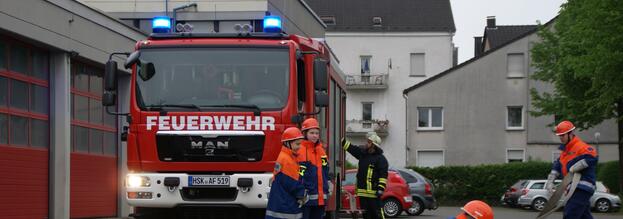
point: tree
(581, 54)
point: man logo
(209, 144)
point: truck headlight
(134, 181)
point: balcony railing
(362, 127)
(367, 81)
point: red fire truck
(207, 112)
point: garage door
(94, 180)
(24, 130)
(430, 158)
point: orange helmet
(476, 209)
(564, 127)
(291, 134)
(310, 123)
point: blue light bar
(161, 24)
(272, 24)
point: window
(328, 20)
(407, 176)
(24, 95)
(350, 179)
(515, 155)
(93, 131)
(418, 67)
(430, 118)
(515, 65)
(537, 186)
(366, 111)
(430, 158)
(514, 119)
(365, 64)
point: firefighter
(371, 174)
(475, 210)
(579, 158)
(287, 193)
(314, 158)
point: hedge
(456, 185)
(609, 174)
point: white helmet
(374, 138)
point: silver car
(420, 188)
(535, 196)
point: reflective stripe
(366, 195)
(587, 183)
(313, 197)
(382, 214)
(369, 178)
(283, 215)
(382, 180)
(346, 145)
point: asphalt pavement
(503, 213)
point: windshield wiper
(255, 108)
(160, 106)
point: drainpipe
(406, 97)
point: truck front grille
(209, 148)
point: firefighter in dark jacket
(371, 174)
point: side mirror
(108, 98)
(320, 74)
(321, 99)
(110, 76)
(132, 59)
(147, 71)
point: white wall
(389, 103)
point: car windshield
(215, 77)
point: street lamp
(597, 134)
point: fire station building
(60, 152)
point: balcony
(362, 127)
(367, 82)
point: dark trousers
(313, 212)
(579, 206)
(372, 208)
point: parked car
(512, 194)
(421, 190)
(535, 196)
(395, 199)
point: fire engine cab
(207, 111)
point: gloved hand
(345, 143)
(379, 193)
(302, 200)
(549, 185)
(578, 166)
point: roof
(493, 49)
(501, 34)
(396, 15)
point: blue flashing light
(161, 24)
(272, 24)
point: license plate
(208, 180)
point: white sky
(470, 17)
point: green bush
(456, 185)
(608, 173)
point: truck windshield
(215, 77)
